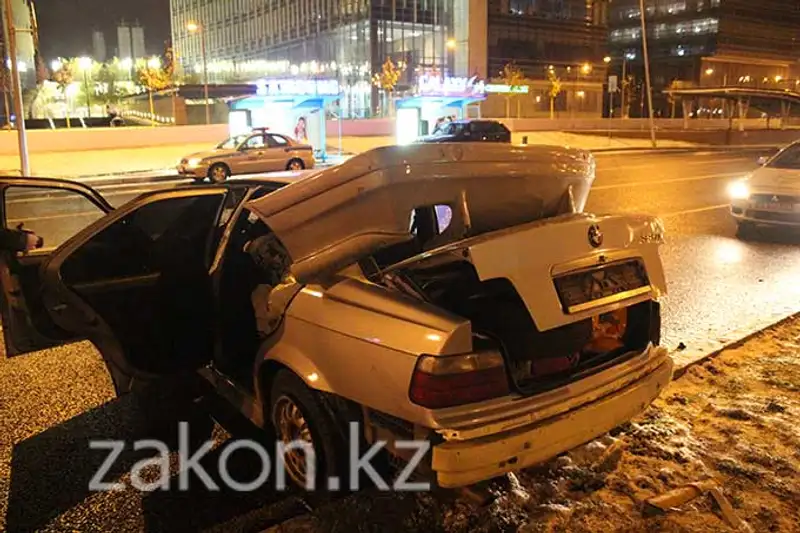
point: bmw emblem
(595, 235)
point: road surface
(54, 402)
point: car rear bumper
(461, 463)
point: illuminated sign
(295, 87)
(428, 85)
(495, 88)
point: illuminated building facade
(349, 39)
(708, 42)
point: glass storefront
(348, 39)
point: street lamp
(55, 65)
(194, 27)
(709, 71)
(607, 60)
(451, 44)
(85, 64)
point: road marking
(664, 181)
(609, 167)
(696, 210)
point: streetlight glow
(709, 71)
(85, 63)
(55, 64)
(778, 78)
(451, 44)
(154, 62)
(192, 26)
(607, 59)
(586, 68)
(126, 63)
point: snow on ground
(731, 421)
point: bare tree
(555, 89)
(512, 76)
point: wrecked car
(454, 294)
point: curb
(686, 359)
(681, 149)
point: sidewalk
(159, 158)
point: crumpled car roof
(337, 216)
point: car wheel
(745, 230)
(297, 414)
(295, 164)
(218, 172)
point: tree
(388, 77)
(555, 89)
(63, 77)
(154, 79)
(512, 76)
(628, 83)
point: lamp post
(85, 63)
(194, 27)
(22, 137)
(647, 74)
(607, 61)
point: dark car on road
(469, 131)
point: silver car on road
(248, 153)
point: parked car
(248, 153)
(770, 195)
(469, 131)
(504, 328)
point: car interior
(253, 257)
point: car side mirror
(762, 160)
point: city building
(99, 51)
(709, 43)
(352, 39)
(124, 45)
(26, 52)
(138, 48)
(130, 42)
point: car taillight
(446, 381)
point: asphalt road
(54, 402)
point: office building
(351, 39)
(99, 51)
(138, 48)
(707, 43)
(124, 46)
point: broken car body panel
(337, 216)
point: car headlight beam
(739, 190)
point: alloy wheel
(292, 426)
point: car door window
(276, 141)
(52, 213)
(255, 142)
(146, 277)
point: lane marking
(696, 210)
(664, 181)
(608, 167)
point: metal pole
(17, 87)
(647, 74)
(86, 88)
(205, 72)
(624, 86)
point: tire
(199, 180)
(295, 164)
(218, 172)
(745, 230)
(319, 423)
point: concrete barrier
(82, 139)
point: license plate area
(594, 287)
(778, 206)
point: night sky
(65, 26)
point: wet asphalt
(54, 402)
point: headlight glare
(739, 190)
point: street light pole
(17, 88)
(647, 74)
(88, 97)
(624, 86)
(196, 27)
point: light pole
(22, 138)
(85, 63)
(194, 27)
(647, 74)
(607, 61)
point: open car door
(56, 210)
(137, 284)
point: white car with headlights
(770, 196)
